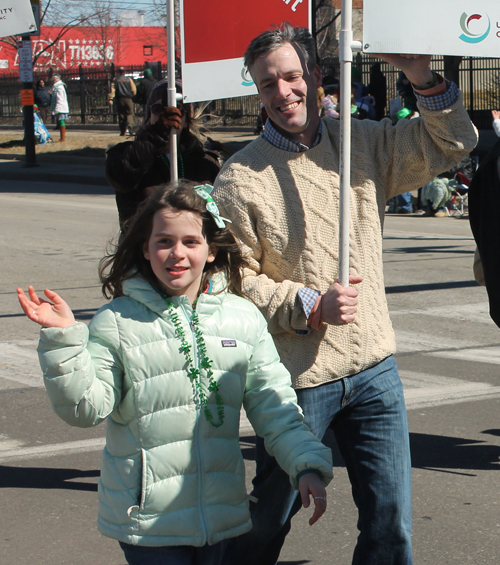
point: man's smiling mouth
(290, 106)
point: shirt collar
(274, 137)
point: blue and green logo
(247, 78)
(467, 34)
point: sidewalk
(58, 167)
(54, 168)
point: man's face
(288, 91)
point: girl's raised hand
(311, 484)
(55, 314)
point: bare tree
(54, 13)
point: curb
(26, 175)
(56, 158)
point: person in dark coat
(378, 89)
(144, 89)
(133, 167)
(42, 100)
(484, 218)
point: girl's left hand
(55, 314)
(311, 484)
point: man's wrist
(314, 320)
(431, 83)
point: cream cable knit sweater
(285, 208)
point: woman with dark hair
(135, 166)
(42, 100)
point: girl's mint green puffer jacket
(168, 476)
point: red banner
(222, 29)
(90, 47)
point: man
(484, 216)
(281, 193)
(144, 89)
(123, 89)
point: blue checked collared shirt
(308, 296)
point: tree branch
(318, 31)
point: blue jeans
(405, 201)
(368, 416)
(174, 555)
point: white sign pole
(171, 85)
(345, 55)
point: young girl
(169, 362)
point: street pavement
(53, 234)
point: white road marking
(478, 313)
(80, 203)
(423, 390)
(52, 449)
(477, 355)
(19, 363)
(426, 236)
(445, 346)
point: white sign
(16, 17)
(432, 27)
(213, 42)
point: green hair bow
(204, 191)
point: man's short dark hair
(275, 38)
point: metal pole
(28, 117)
(171, 84)
(345, 139)
(346, 50)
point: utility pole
(27, 98)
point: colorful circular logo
(465, 23)
(247, 78)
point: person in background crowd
(356, 77)
(496, 121)
(378, 89)
(133, 167)
(123, 89)
(403, 203)
(282, 194)
(42, 100)
(144, 89)
(59, 106)
(405, 90)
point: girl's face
(178, 251)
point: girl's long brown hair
(127, 258)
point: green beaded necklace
(164, 158)
(193, 373)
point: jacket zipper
(198, 434)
